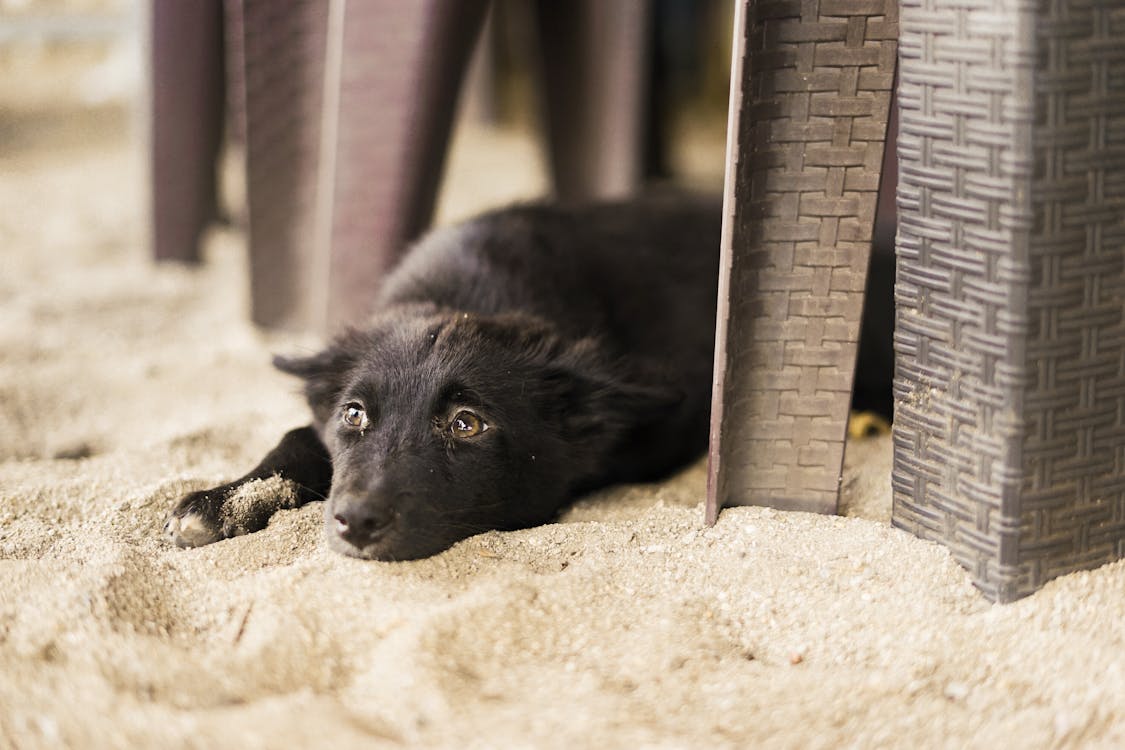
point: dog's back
(640, 276)
(641, 272)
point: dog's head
(442, 426)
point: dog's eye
(465, 424)
(354, 415)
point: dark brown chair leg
(348, 111)
(277, 53)
(186, 45)
(811, 89)
(389, 111)
(595, 81)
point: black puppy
(513, 362)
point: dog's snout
(360, 524)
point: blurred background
(70, 73)
(77, 74)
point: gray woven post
(809, 102)
(1010, 388)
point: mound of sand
(627, 624)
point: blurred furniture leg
(388, 113)
(278, 80)
(1010, 388)
(595, 81)
(186, 47)
(810, 93)
(348, 107)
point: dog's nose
(361, 524)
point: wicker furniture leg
(1010, 386)
(595, 81)
(186, 121)
(277, 81)
(395, 69)
(348, 107)
(810, 90)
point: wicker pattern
(186, 121)
(400, 68)
(277, 64)
(815, 89)
(595, 76)
(1010, 384)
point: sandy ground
(627, 624)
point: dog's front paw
(195, 520)
(241, 507)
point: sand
(627, 624)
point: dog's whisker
(317, 495)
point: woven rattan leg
(388, 114)
(1010, 387)
(595, 76)
(809, 101)
(186, 45)
(278, 78)
(347, 108)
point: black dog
(513, 362)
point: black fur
(581, 336)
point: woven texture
(346, 109)
(186, 111)
(277, 64)
(595, 74)
(401, 65)
(815, 91)
(1010, 383)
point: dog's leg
(246, 504)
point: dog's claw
(190, 531)
(190, 523)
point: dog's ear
(325, 373)
(594, 396)
(589, 394)
(328, 364)
(310, 367)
